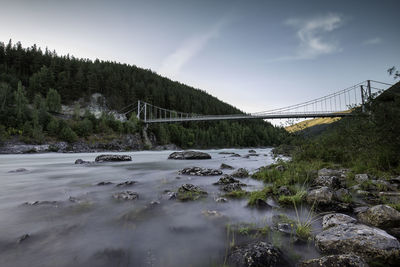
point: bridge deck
(241, 117)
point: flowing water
(82, 225)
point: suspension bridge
(337, 104)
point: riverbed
(78, 223)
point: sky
(256, 55)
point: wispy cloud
(313, 36)
(373, 41)
(173, 63)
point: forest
(35, 83)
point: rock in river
(189, 155)
(227, 179)
(81, 161)
(199, 171)
(322, 195)
(126, 195)
(226, 166)
(256, 254)
(241, 173)
(368, 242)
(345, 260)
(190, 192)
(335, 219)
(105, 158)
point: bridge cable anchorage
(337, 104)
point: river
(82, 225)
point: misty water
(83, 225)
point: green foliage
(84, 128)
(292, 200)
(255, 195)
(68, 135)
(237, 194)
(53, 100)
(21, 102)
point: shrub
(68, 135)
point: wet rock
(383, 185)
(227, 179)
(126, 183)
(382, 216)
(169, 195)
(23, 238)
(280, 168)
(126, 195)
(189, 155)
(255, 254)
(199, 171)
(104, 183)
(231, 187)
(363, 193)
(112, 158)
(226, 153)
(42, 203)
(322, 195)
(345, 260)
(154, 203)
(240, 173)
(360, 178)
(190, 192)
(235, 155)
(368, 242)
(81, 161)
(329, 181)
(360, 209)
(341, 193)
(18, 170)
(286, 228)
(284, 190)
(212, 213)
(226, 166)
(252, 151)
(246, 156)
(261, 204)
(221, 200)
(335, 219)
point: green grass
(237, 194)
(295, 199)
(262, 194)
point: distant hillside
(310, 123)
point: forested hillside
(32, 82)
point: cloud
(373, 41)
(173, 63)
(312, 35)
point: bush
(53, 127)
(68, 135)
(53, 100)
(84, 128)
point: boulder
(360, 178)
(256, 254)
(382, 216)
(226, 166)
(335, 219)
(345, 260)
(226, 153)
(322, 195)
(199, 171)
(284, 190)
(227, 179)
(231, 187)
(189, 155)
(252, 151)
(341, 193)
(280, 168)
(221, 200)
(371, 243)
(126, 195)
(169, 195)
(235, 155)
(111, 158)
(240, 173)
(23, 238)
(18, 170)
(81, 161)
(190, 192)
(329, 181)
(104, 183)
(261, 204)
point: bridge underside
(246, 117)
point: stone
(226, 153)
(221, 200)
(112, 158)
(322, 195)
(81, 161)
(155, 203)
(104, 183)
(18, 170)
(212, 213)
(371, 243)
(341, 193)
(23, 238)
(190, 192)
(284, 190)
(329, 181)
(189, 155)
(226, 166)
(231, 187)
(335, 219)
(227, 179)
(256, 254)
(252, 151)
(382, 216)
(126, 183)
(280, 168)
(261, 204)
(286, 228)
(360, 178)
(126, 195)
(240, 173)
(329, 172)
(199, 171)
(42, 203)
(235, 155)
(169, 195)
(344, 260)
